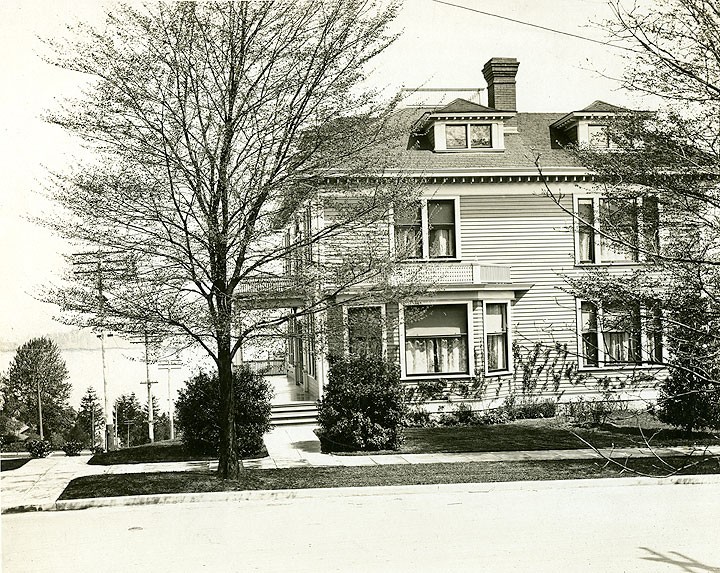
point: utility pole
(96, 263)
(40, 421)
(128, 423)
(170, 365)
(151, 421)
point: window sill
(622, 366)
(611, 264)
(432, 260)
(497, 373)
(472, 150)
(435, 376)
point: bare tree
(662, 180)
(213, 127)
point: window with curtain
(427, 231)
(496, 337)
(621, 335)
(365, 328)
(408, 232)
(441, 228)
(614, 230)
(614, 335)
(436, 339)
(619, 222)
(586, 230)
(589, 327)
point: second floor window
(427, 231)
(615, 230)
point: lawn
(166, 451)
(111, 485)
(12, 463)
(545, 435)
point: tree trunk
(229, 465)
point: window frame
(346, 325)
(600, 242)
(651, 345)
(468, 137)
(425, 231)
(508, 338)
(470, 341)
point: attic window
(457, 136)
(598, 136)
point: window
(478, 135)
(598, 136)
(365, 330)
(618, 335)
(615, 230)
(496, 337)
(436, 339)
(428, 230)
(408, 232)
(441, 229)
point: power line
(570, 34)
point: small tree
(130, 420)
(198, 405)
(36, 390)
(89, 421)
(363, 405)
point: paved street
(602, 527)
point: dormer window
(457, 136)
(462, 126)
(598, 136)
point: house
(506, 217)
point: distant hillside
(70, 340)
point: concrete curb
(290, 494)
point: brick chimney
(500, 77)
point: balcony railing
(453, 273)
(449, 273)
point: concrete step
(294, 413)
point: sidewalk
(38, 484)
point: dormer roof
(458, 109)
(596, 110)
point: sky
(440, 46)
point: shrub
(419, 418)
(461, 415)
(97, 450)
(198, 412)
(590, 412)
(688, 403)
(72, 448)
(363, 406)
(528, 409)
(38, 448)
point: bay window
(436, 339)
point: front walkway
(38, 484)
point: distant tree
(130, 421)
(90, 421)
(35, 388)
(162, 427)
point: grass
(12, 463)
(166, 451)
(111, 485)
(543, 435)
